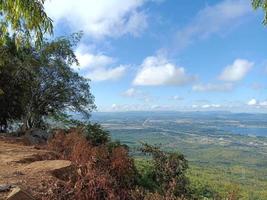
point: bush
(167, 172)
(96, 134)
(104, 169)
(100, 172)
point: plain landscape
(224, 149)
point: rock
(19, 194)
(46, 166)
(36, 136)
(5, 188)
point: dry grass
(100, 172)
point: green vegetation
(261, 4)
(96, 134)
(26, 18)
(41, 83)
(249, 184)
(166, 172)
(220, 162)
(212, 183)
(103, 170)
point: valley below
(225, 150)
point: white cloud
(89, 60)
(130, 107)
(98, 67)
(263, 103)
(213, 87)
(100, 18)
(177, 98)
(138, 94)
(211, 106)
(238, 106)
(155, 71)
(259, 104)
(208, 106)
(132, 92)
(195, 106)
(237, 71)
(231, 73)
(104, 74)
(214, 19)
(252, 102)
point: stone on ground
(19, 194)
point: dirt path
(27, 167)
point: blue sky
(183, 55)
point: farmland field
(224, 149)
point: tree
(26, 18)
(12, 82)
(96, 134)
(50, 87)
(261, 4)
(56, 88)
(168, 171)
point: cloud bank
(214, 19)
(236, 71)
(157, 70)
(98, 67)
(102, 18)
(210, 87)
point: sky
(171, 55)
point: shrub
(101, 172)
(168, 172)
(104, 170)
(96, 134)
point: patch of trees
(167, 172)
(39, 82)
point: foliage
(44, 82)
(105, 170)
(13, 84)
(56, 87)
(26, 18)
(201, 189)
(221, 185)
(145, 168)
(215, 164)
(261, 4)
(138, 194)
(168, 171)
(96, 134)
(99, 173)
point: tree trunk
(31, 121)
(3, 125)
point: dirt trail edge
(27, 167)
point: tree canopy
(261, 4)
(39, 82)
(26, 19)
(168, 171)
